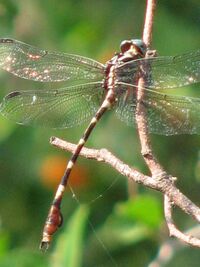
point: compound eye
(125, 46)
(140, 45)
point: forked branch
(165, 186)
(172, 195)
(159, 180)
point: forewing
(167, 72)
(165, 114)
(61, 108)
(32, 63)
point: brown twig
(153, 164)
(156, 169)
(166, 186)
(146, 149)
(148, 24)
(170, 247)
(173, 231)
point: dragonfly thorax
(116, 72)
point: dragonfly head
(133, 47)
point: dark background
(127, 220)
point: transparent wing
(166, 72)
(32, 63)
(60, 108)
(166, 115)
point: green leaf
(70, 244)
(145, 209)
(131, 222)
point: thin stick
(173, 231)
(169, 248)
(148, 25)
(146, 149)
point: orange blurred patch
(52, 169)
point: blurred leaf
(23, 258)
(8, 11)
(131, 222)
(4, 243)
(69, 247)
(116, 235)
(145, 209)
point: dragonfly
(93, 88)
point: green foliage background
(127, 220)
